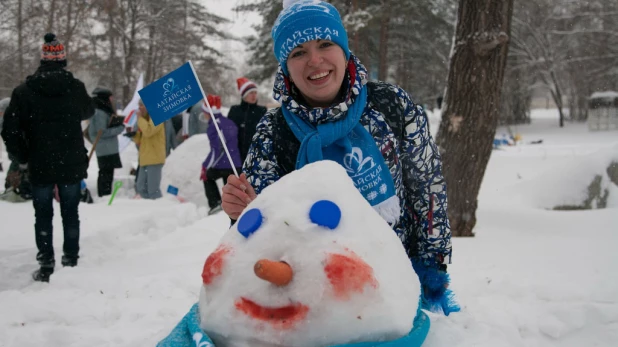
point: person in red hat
(217, 164)
(246, 115)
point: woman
(109, 126)
(330, 111)
(151, 142)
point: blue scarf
(189, 334)
(347, 142)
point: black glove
(130, 134)
(116, 121)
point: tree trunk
(130, 53)
(472, 102)
(112, 44)
(556, 94)
(383, 51)
(50, 19)
(150, 72)
(355, 35)
(67, 41)
(20, 40)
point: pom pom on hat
(53, 50)
(49, 37)
(245, 86)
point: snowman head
(309, 263)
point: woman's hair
(146, 115)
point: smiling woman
(317, 69)
(331, 111)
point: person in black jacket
(42, 129)
(246, 115)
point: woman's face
(317, 68)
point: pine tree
(262, 62)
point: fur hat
(102, 92)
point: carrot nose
(278, 273)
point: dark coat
(42, 125)
(246, 116)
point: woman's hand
(237, 194)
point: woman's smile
(317, 68)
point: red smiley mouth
(284, 317)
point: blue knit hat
(303, 21)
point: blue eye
(250, 222)
(325, 213)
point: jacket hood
(52, 80)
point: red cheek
(214, 264)
(348, 274)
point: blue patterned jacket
(401, 132)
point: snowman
(309, 263)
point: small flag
(172, 93)
(172, 190)
(130, 113)
(131, 119)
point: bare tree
(472, 99)
(385, 19)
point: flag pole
(214, 121)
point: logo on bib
(365, 174)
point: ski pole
(94, 145)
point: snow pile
(351, 282)
(567, 184)
(183, 166)
(531, 276)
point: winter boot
(69, 261)
(86, 196)
(214, 210)
(42, 274)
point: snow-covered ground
(530, 277)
